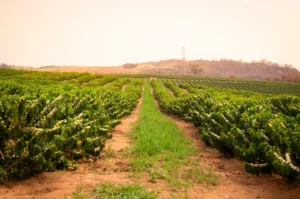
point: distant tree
(291, 76)
(287, 66)
(196, 69)
(263, 61)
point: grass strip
(161, 150)
(112, 191)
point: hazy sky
(113, 32)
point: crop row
(264, 133)
(45, 128)
(255, 86)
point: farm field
(70, 123)
(261, 129)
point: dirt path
(119, 141)
(124, 87)
(105, 85)
(111, 166)
(185, 90)
(171, 92)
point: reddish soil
(185, 90)
(119, 141)
(124, 87)
(105, 85)
(171, 92)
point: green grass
(161, 150)
(111, 191)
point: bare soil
(119, 141)
(185, 90)
(124, 87)
(105, 85)
(171, 92)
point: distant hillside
(222, 68)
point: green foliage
(162, 95)
(112, 191)
(47, 127)
(86, 78)
(238, 84)
(178, 92)
(102, 81)
(117, 85)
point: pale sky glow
(113, 32)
